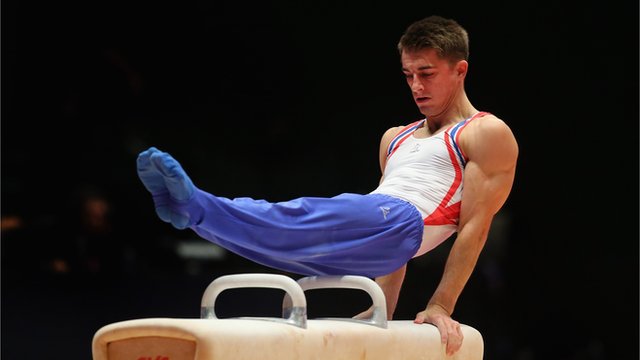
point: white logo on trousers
(385, 211)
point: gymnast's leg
(347, 234)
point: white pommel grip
(379, 315)
(297, 314)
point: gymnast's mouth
(422, 99)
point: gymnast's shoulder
(391, 132)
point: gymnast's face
(435, 82)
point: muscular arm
(492, 152)
(489, 173)
(391, 283)
(384, 144)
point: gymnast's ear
(461, 68)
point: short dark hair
(446, 36)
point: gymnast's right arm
(390, 283)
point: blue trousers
(349, 234)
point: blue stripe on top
(454, 131)
(456, 148)
(413, 128)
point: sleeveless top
(428, 173)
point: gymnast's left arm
(492, 152)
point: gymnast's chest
(421, 153)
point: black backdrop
(277, 100)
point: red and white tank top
(428, 173)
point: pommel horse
(292, 337)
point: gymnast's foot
(162, 175)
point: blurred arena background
(277, 100)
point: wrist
(435, 304)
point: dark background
(277, 100)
